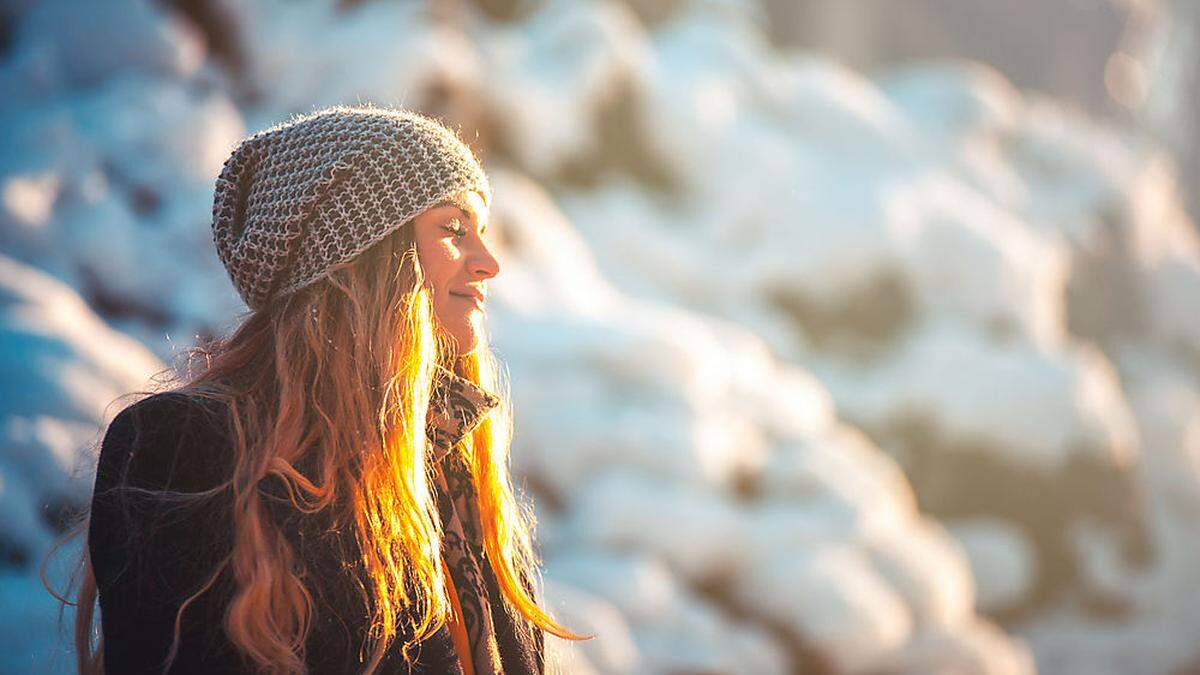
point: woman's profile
(326, 489)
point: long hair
(339, 373)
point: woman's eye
(456, 228)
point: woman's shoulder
(170, 440)
(152, 541)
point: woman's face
(453, 249)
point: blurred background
(845, 336)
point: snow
(61, 369)
(742, 289)
(612, 651)
(1002, 561)
(549, 77)
(1043, 409)
(979, 647)
(699, 536)
(86, 44)
(674, 630)
(832, 597)
(317, 55)
(929, 571)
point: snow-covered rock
(551, 76)
(1037, 408)
(695, 531)
(767, 319)
(1002, 561)
(63, 373)
(830, 597)
(611, 651)
(81, 45)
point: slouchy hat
(295, 201)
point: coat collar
(456, 406)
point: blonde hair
(343, 368)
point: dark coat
(148, 556)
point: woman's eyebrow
(462, 205)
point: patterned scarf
(501, 640)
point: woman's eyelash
(456, 228)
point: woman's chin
(464, 342)
(462, 333)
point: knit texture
(295, 201)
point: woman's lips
(473, 299)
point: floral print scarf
(501, 640)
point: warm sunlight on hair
(340, 375)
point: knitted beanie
(296, 200)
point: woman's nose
(484, 263)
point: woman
(328, 492)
